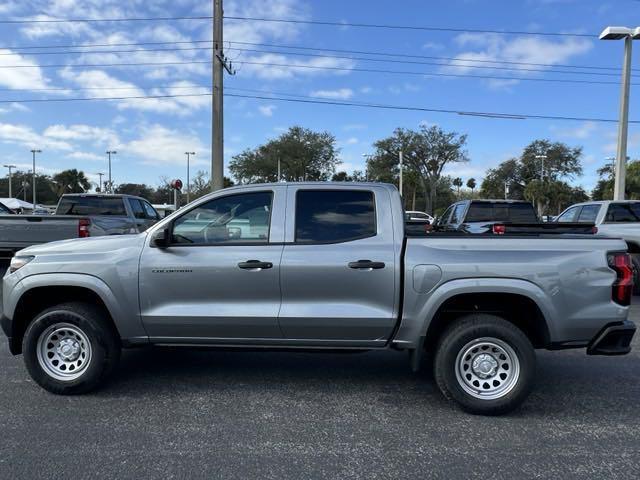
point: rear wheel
(485, 364)
(70, 348)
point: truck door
(219, 280)
(339, 270)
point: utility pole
(188, 154)
(100, 175)
(109, 153)
(10, 178)
(217, 121)
(34, 151)
(401, 168)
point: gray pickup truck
(77, 216)
(319, 266)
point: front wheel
(486, 364)
(70, 348)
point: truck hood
(83, 246)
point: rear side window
(456, 217)
(91, 206)
(568, 216)
(589, 213)
(501, 212)
(334, 216)
(623, 212)
(151, 212)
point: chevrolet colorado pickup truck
(321, 266)
(77, 216)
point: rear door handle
(366, 265)
(255, 265)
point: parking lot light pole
(109, 153)
(188, 154)
(10, 179)
(542, 158)
(100, 175)
(628, 35)
(33, 186)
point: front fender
(420, 308)
(126, 321)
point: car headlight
(18, 262)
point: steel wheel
(64, 351)
(487, 368)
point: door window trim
(354, 239)
(227, 244)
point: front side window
(151, 212)
(568, 216)
(334, 216)
(137, 208)
(445, 216)
(243, 218)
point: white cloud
(27, 73)
(92, 157)
(339, 94)
(582, 131)
(482, 50)
(272, 66)
(27, 137)
(267, 110)
(79, 132)
(259, 31)
(351, 141)
(159, 145)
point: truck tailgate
(21, 231)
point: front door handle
(366, 265)
(255, 265)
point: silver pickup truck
(77, 216)
(321, 266)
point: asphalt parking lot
(211, 414)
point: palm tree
(70, 181)
(471, 183)
(457, 182)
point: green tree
(341, 176)
(137, 189)
(303, 155)
(471, 183)
(457, 182)
(21, 188)
(604, 188)
(70, 181)
(425, 151)
(508, 173)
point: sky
(151, 135)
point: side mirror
(161, 238)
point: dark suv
(479, 216)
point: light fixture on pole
(628, 35)
(10, 178)
(33, 186)
(400, 183)
(188, 154)
(100, 175)
(109, 153)
(542, 158)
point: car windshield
(501, 212)
(91, 206)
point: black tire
(635, 259)
(461, 337)
(85, 319)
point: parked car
(77, 216)
(4, 210)
(619, 218)
(479, 216)
(320, 266)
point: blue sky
(152, 135)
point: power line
(428, 74)
(92, 45)
(96, 20)
(89, 52)
(89, 65)
(495, 115)
(416, 62)
(428, 57)
(410, 27)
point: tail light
(622, 287)
(594, 229)
(83, 228)
(499, 229)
